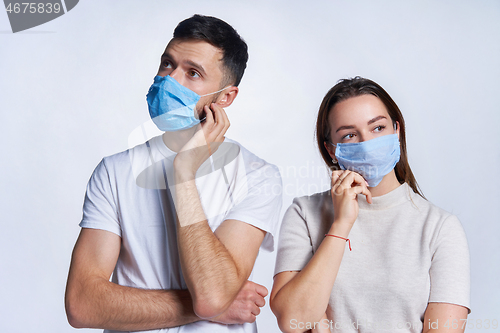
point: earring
(334, 161)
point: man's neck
(176, 140)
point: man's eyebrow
(188, 62)
(196, 66)
(376, 119)
(369, 122)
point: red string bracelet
(346, 239)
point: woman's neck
(389, 183)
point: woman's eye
(379, 128)
(348, 136)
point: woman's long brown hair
(354, 87)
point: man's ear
(227, 96)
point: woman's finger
(335, 176)
(335, 179)
(359, 179)
(362, 190)
(363, 183)
(354, 179)
(345, 181)
(343, 176)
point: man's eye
(193, 74)
(166, 64)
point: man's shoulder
(254, 164)
(123, 160)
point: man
(180, 219)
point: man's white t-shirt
(127, 195)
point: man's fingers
(261, 290)
(255, 310)
(251, 319)
(221, 122)
(209, 121)
(260, 301)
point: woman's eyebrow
(344, 127)
(376, 119)
(369, 122)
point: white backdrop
(72, 90)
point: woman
(408, 270)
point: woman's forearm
(305, 297)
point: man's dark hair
(221, 35)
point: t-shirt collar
(399, 195)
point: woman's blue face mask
(373, 159)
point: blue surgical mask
(171, 105)
(373, 159)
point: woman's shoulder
(312, 208)
(312, 201)
(432, 214)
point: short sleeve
(99, 207)
(260, 206)
(450, 265)
(295, 247)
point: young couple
(177, 222)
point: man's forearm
(103, 304)
(209, 270)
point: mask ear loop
(215, 92)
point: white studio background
(73, 89)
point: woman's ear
(331, 151)
(227, 96)
(396, 128)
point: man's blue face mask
(171, 105)
(373, 159)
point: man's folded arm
(215, 265)
(92, 301)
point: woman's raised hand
(346, 185)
